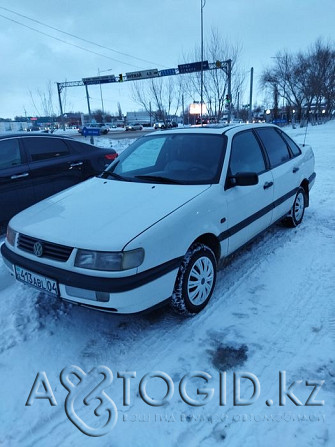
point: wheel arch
(305, 185)
(212, 242)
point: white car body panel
(118, 211)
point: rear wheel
(298, 209)
(195, 280)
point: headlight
(11, 235)
(109, 261)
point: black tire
(199, 266)
(297, 211)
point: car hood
(102, 214)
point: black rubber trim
(115, 311)
(249, 220)
(312, 177)
(111, 285)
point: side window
(246, 154)
(45, 148)
(81, 147)
(9, 153)
(292, 145)
(275, 146)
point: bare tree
(161, 95)
(119, 111)
(43, 101)
(305, 79)
(216, 81)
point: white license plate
(38, 281)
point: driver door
(249, 207)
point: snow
(273, 310)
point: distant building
(141, 117)
(13, 126)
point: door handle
(295, 169)
(14, 177)
(267, 185)
(74, 165)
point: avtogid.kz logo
(85, 392)
(87, 400)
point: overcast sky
(160, 34)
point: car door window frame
(261, 148)
(289, 142)
(46, 140)
(272, 166)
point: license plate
(38, 281)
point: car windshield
(171, 159)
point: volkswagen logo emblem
(38, 249)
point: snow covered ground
(272, 311)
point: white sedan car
(134, 126)
(156, 224)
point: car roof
(33, 134)
(218, 129)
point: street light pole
(250, 98)
(102, 101)
(203, 3)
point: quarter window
(275, 146)
(9, 153)
(246, 154)
(294, 147)
(45, 148)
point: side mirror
(244, 179)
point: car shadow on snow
(95, 327)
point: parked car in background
(33, 128)
(157, 223)
(134, 126)
(159, 125)
(101, 127)
(35, 166)
(203, 121)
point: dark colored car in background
(36, 166)
(33, 128)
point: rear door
(285, 169)
(53, 165)
(16, 187)
(249, 207)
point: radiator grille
(50, 250)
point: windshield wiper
(159, 179)
(107, 174)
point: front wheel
(298, 209)
(195, 280)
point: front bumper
(128, 294)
